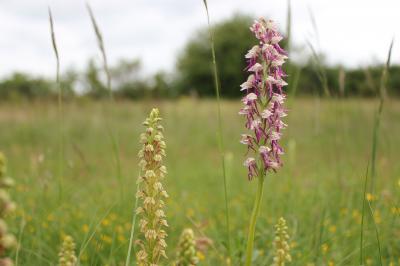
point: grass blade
(362, 217)
(220, 137)
(288, 26)
(114, 139)
(314, 23)
(102, 49)
(88, 238)
(342, 81)
(320, 69)
(128, 256)
(294, 82)
(375, 137)
(54, 44)
(60, 106)
(292, 69)
(318, 242)
(21, 231)
(371, 212)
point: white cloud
(351, 32)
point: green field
(319, 190)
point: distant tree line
(193, 74)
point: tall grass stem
(220, 135)
(114, 139)
(362, 218)
(128, 256)
(293, 70)
(371, 212)
(87, 240)
(60, 107)
(319, 67)
(382, 95)
(288, 26)
(100, 43)
(21, 232)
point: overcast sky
(351, 32)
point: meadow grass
(321, 206)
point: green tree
(94, 86)
(69, 81)
(23, 86)
(127, 79)
(161, 85)
(232, 40)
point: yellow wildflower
(332, 229)
(325, 248)
(85, 228)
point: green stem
(253, 220)
(128, 256)
(60, 108)
(219, 133)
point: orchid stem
(253, 220)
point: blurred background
(161, 48)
